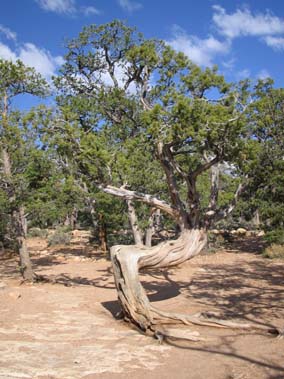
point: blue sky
(245, 39)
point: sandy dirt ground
(66, 328)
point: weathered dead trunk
(128, 260)
(137, 234)
(20, 224)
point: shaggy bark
(128, 260)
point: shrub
(59, 238)
(37, 232)
(215, 242)
(274, 251)
(275, 236)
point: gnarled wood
(136, 307)
(128, 260)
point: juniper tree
(142, 111)
(16, 80)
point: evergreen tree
(15, 146)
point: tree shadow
(252, 244)
(224, 347)
(9, 268)
(253, 290)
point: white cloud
(9, 34)
(32, 56)
(40, 59)
(229, 64)
(277, 43)
(7, 53)
(243, 23)
(200, 51)
(243, 74)
(129, 5)
(58, 6)
(89, 11)
(263, 74)
(67, 7)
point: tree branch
(138, 196)
(203, 167)
(223, 213)
(167, 162)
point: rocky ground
(66, 328)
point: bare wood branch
(110, 67)
(138, 196)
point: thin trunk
(137, 234)
(153, 225)
(20, 224)
(214, 193)
(91, 207)
(256, 218)
(215, 175)
(73, 218)
(102, 233)
(166, 160)
(6, 163)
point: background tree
(15, 146)
(268, 129)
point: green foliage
(275, 236)
(266, 170)
(17, 79)
(133, 113)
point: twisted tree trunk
(128, 260)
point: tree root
(209, 319)
(163, 334)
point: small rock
(261, 233)
(241, 231)
(215, 231)
(77, 259)
(60, 258)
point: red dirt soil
(66, 328)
